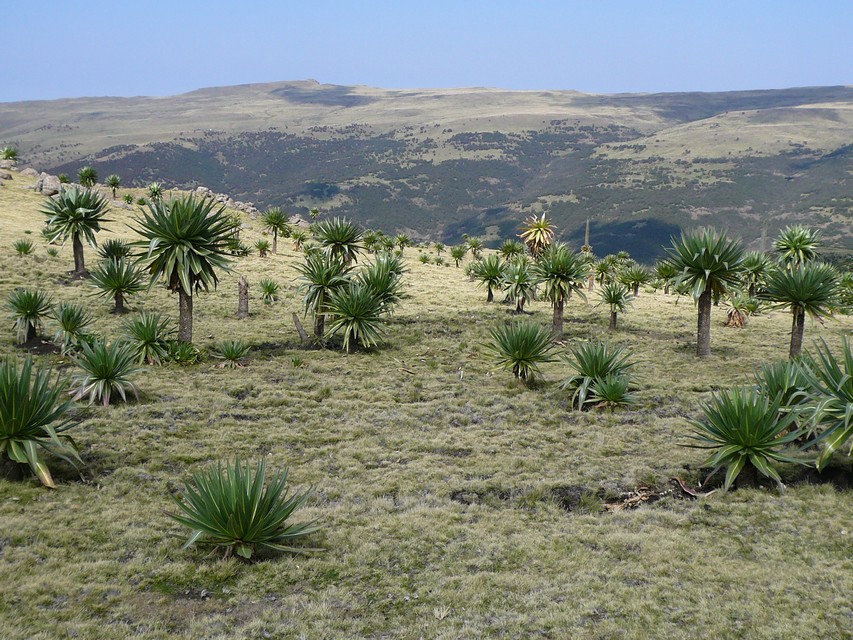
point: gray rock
(48, 185)
(7, 164)
(5, 175)
(30, 172)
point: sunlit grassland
(456, 502)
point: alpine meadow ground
(455, 501)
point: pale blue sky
(55, 49)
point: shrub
(229, 507)
(149, 335)
(107, 368)
(231, 352)
(24, 247)
(831, 385)
(263, 247)
(183, 353)
(613, 390)
(73, 320)
(424, 258)
(384, 278)
(32, 417)
(87, 176)
(114, 249)
(520, 347)
(128, 198)
(117, 279)
(8, 153)
(594, 361)
(29, 308)
(52, 252)
(339, 238)
(356, 311)
(155, 192)
(64, 178)
(269, 290)
(742, 426)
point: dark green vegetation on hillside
(442, 163)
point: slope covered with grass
(456, 502)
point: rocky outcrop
(7, 164)
(30, 172)
(224, 198)
(48, 185)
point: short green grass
(456, 502)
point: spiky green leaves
(741, 426)
(797, 245)
(185, 241)
(33, 418)
(276, 222)
(537, 234)
(228, 506)
(106, 371)
(520, 347)
(149, 335)
(831, 383)
(489, 272)
(87, 176)
(560, 272)
(29, 308)
(231, 353)
(593, 363)
(269, 290)
(73, 321)
(356, 311)
(706, 259)
(76, 213)
(117, 279)
(339, 238)
(813, 288)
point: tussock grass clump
(149, 334)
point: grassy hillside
(455, 502)
(438, 163)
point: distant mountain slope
(443, 162)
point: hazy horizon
(100, 49)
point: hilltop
(437, 163)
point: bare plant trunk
(519, 305)
(613, 320)
(797, 329)
(666, 289)
(119, 298)
(79, 264)
(242, 298)
(636, 289)
(590, 283)
(300, 329)
(703, 330)
(557, 325)
(275, 241)
(31, 332)
(752, 290)
(320, 325)
(185, 319)
(491, 296)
